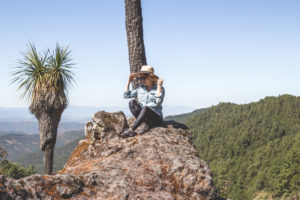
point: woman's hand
(160, 81)
(131, 77)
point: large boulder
(161, 164)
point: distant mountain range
(18, 145)
(31, 127)
(19, 120)
(80, 114)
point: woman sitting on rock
(150, 95)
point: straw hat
(146, 70)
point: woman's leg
(148, 116)
(135, 108)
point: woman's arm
(160, 92)
(130, 79)
(127, 93)
(159, 86)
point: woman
(150, 95)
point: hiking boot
(145, 127)
(128, 133)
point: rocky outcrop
(160, 164)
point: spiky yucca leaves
(45, 80)
(61, 77)
(30, 74)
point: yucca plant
(45, 79)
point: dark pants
(145, 114)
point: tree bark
(48, 159)
(48, 124)
(135, 39)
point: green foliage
(287, 173)
(251, 147)
(3, 153)
(39, 72)
(59, 62)
(30, 75)
(14, 170)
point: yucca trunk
(48, 124)
(48, 108)
(135, 40)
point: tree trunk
(48, 159)
(48, 124)
(135, 40)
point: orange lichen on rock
(52, 191)
(76, 154)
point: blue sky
(207, 51)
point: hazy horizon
(81, 113)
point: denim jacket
(146, 98)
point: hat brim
(141, 74)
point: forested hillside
(253, 147)
(17, 145)
(61, 156)
(184, 117)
